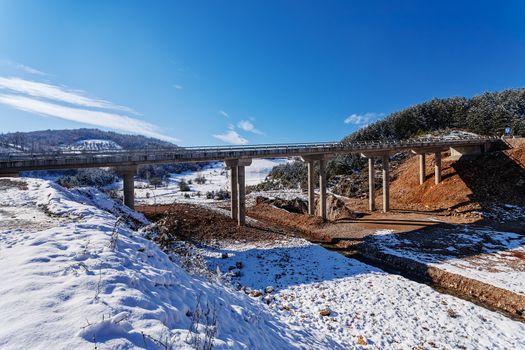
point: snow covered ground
(75, 276)
(217, 178)
(368, 307)
(74, 281)
(496, 258)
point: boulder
(296, 205)
(336, 209)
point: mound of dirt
(467, 184)
(195, 223)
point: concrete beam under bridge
(238, 188)
(311, 159)
(371, 185)
(437, 167)
(386, 184)
(385, 157)
(128, 175)
(465, 151)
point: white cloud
(224, 113)
(231, 137)
(178, 87)
(247, 125)
(22, 67)
(85, 116)
(363, 119)
(57, 93)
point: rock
(336, 209)
(255, 293)
(236, 272)
(238, 264)
(224, 256)
(296, 205)
(325, 312)
(269, 289)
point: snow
(497, 264)
(217, 178)
(64, 287)
(386, 311)
(75, 276)
(92, 145)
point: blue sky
(214, 72)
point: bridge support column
(371, 185)
(128, 174)
(234, 193)
(241, 214)
(422, 174)
(386, 184)
(322, 188)
(311, 187)
(437, 167)
(238, 188)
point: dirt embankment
(467, 184)
(196, 223)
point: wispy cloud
(247, 125)
(91, 117)
(178, 87)
(223, 113)
(57, 93)
(363, 120)
(22, 67)
(232, 137)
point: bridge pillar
(422, 174)
(437, 167)
(238, 188)
(311, 187)
(241, 214)
(322, 188)
(234, 193)
(371, 185)
(128, 174)
(386, 184)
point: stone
(269, 289)
(325, 312)
(255, 293)
(336, 209)
(224, 256)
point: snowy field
(496, 258)
(82, 284)
(368, 307)
(75, 276)
(217, 178)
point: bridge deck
(16, 162)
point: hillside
(467, 185)
(77, 139)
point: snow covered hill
(73, 278)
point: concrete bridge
(238, 157)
